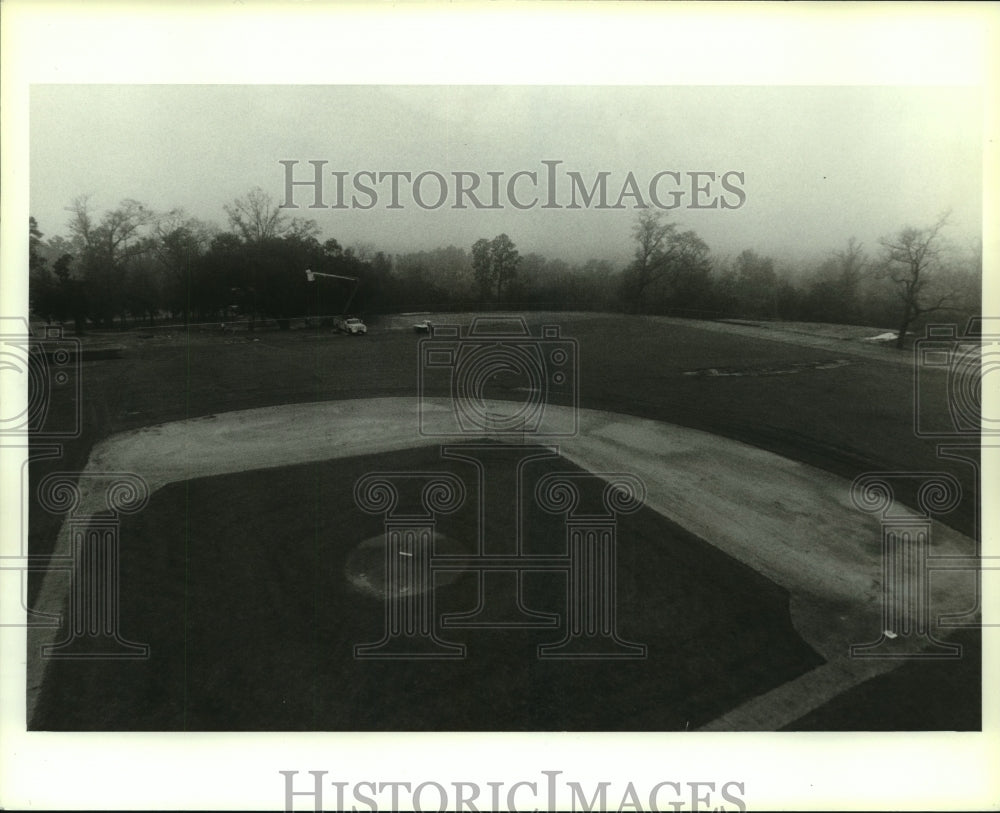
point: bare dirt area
(759, 466)
(816, 330)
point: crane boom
(311, 277)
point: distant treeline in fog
(131, 265)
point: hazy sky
(819, 164)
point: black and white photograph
(392, 413)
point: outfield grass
(849, 420)
(199, 591)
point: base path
(792, 523)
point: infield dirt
(841, 419)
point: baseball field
(263, 590)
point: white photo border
(424, 43)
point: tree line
(131, 265)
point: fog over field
(717, 272)
(790, 171)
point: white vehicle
(423, 327)
(354, 327)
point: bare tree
(81, 223)
(361, 250)
(912, 257)
(35, 260)
(653, 247)
(679, 260)
(506, 258)
(302, 228)
(833, 295)
(256, 217)
(852, 265)
(495, 263)
(482, 265)
(109, 249)
(117, 238)
(180, 241)
(756, 284)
